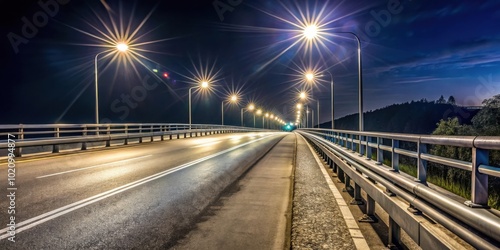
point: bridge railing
(350, 153)
(35, 135)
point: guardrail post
(108, 133)
(55, 147)
(140, 132)
(394, 233)
(152, 133)
(368, 149)
(479, 189)
(162, 129)
(380, 152)
(395, 156)
(126, 133)
(178, 135)
(369, 216)
(84, 133)
(347, 184)
(421, 163)
(353, 145)
(357, 195)
(361, 148)
(18, 152)
(340, 174)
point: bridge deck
(254, 212)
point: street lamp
(259, 112)
(204, 85)
(250, 107)
(303, 96)
(121, 47)
(311, 32)
(232, 99)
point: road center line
(96, 166)
(27, 224)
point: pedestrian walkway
(321, 218)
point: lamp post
(331, 100)
(310, 78)
(250, 107)
(204, 85)
(310, 32)
(233, 99)
(122, 47)
(259, 112)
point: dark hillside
(418, 117)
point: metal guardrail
(32, 135)
(436, 205)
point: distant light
(165, 75)
(251, 107)
(288, 127)
(259, 112)
(310, 32)
(299, 106)
(204, 84)
(155, 70)
(122, 47)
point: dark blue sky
(411, 50)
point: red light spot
(165, 75)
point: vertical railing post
(126, 135)
(152, 133)
(394, 233)
(140, 133)
(380, 152)
(162, 129)
(368, 149)
(395, 156)
(479, 189)
(421, 163)
(84, 133)
(55, 147)
(18, 152)
(353, 145)
(361, 147)
(108, 134)
(369, 215)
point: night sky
(410, 49)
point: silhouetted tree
(451, 100)
(487, 121)
(441, 100)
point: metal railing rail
(32, 135)
(474, 213)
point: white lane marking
(354, 231)
(206, 144)
(96, 166)
(27, 224)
